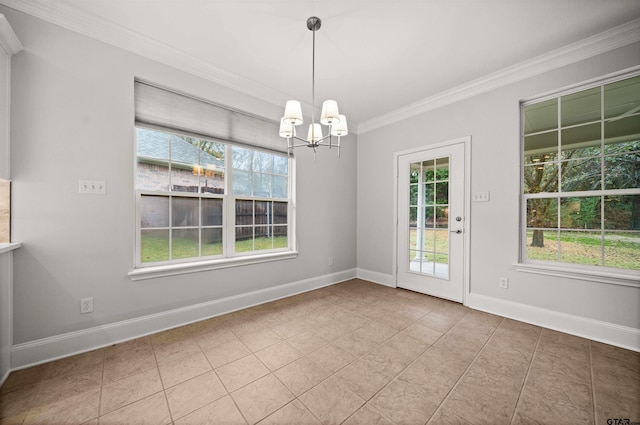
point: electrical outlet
(86, 305)
(331, 261)
(504, 282)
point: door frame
(466, 140)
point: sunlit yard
(621, 250)
(155, 247)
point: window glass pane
(154, 211)
(581, 248)
(263, 238)
(184, 211)
(280, 165)
(152, 149)
(244, 213)
(621, 250)
(184, 243)
(542, 213)
(581, 174)
(280, 186)
(542, 245)
(263, 162)
(263, 213)
(244, 239)
(622, 135)
(211, 242)
(262, 185)
(241, 158)
(583, 141)
(185, 159)
(541, 178)
(280, 239)
(622, 171)
(154, 246)
(541, 147)
(622, 213)
(581, 107)
(241, 183)
(211, 212)
(211, 169)
(540, 116)
(280, 211)
(580, 213)
(428, 168)
(621, 97)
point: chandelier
(330, 117)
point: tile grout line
(593, 389)
(526, 378)
(464, 372)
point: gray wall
(492, 120)
(72, 118)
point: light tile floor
(352, 353)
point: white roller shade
(171, 110)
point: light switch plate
(92, 187)
(481, 197)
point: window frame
(229, 258)
(596, 273)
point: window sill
(7, 247)
(199, 266)
(629, 278)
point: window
(581, 178)
(182, 182)
(207, 201)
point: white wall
(72, 118)
(492, 120)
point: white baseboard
(51, 348)
(597, 330)
(376, 277)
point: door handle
(458, 231)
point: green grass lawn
(622, 250)
(155, 247)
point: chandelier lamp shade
(330, 116)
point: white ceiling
(372, 56)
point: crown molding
(116, 35)
(126, 39)
(8, 39)
(606, 41)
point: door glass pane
(428, 211)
